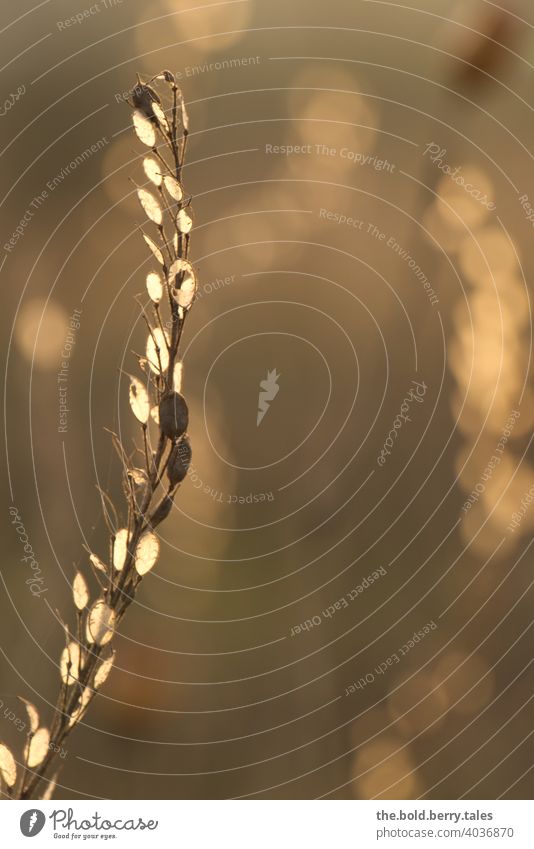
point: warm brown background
(211, 696)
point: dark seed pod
(143, 96)
(173, 415)
(179, 461)
(162, 511)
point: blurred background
(362, 175)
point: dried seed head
(179, 461)
(173, 415)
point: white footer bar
(269, 824)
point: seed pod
(143, 96)
(101, 674)
(8, 766)
(160, 118)
(152, 170)
(173, 415)
(69, 664)
(146, 553)
(179, 461)
(162, 511)
(80, 591)
(33, 715)
(144, 128)
(100, 623)
(37, 747)
(173, 187)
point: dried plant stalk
(160, 122)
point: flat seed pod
(159, 114)
(69, 664)
(184, 222)
(83, 704)
(156, 340)
(154, 287)
(185, 116)
(120, 548)
(179, 461)
(102, 673)
(154, 248)
(37, 749)
(138, 397)
(184, 296)
(173, 415)
(97, 563)
(162, 511)
(175, 268)
(144, 128)
(182, 269)
(144, 97)
(8, 767)
(150, 205)
(100, 623)
(173, 187)
(177, 376)
(33, 715)
(152, 169)
(80, 591)
(146, 553)
(154, 414)
(138, 476)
